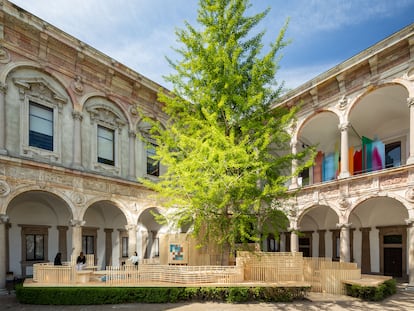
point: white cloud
(311, 16)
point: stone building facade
(357, 202)
(70, 153)
(70, 156)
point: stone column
(132, 238)
(294, 184)
(410, 232)
(4, 220)
(410, 102)
(294, 239)
(344, 252)
(77, 140)
(132, 139)
(282, 240)
(343, 127)
(3, 89)
(321, 234)
(365, 251)
(108, 247)
(76, 236)
(63, 244)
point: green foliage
(372, 293)
(117, 295)
(225, 144)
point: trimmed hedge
(372, 293)
(117, 295)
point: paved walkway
(403, 300)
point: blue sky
(140, 33)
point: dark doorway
(393, 261)
(305, 246)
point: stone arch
(371, 89)
(313, 206)
(21, 190)
(396, 197)
(116, 203)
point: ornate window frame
(103, 115)
(39, 91)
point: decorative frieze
(391, 180)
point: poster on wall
(178, 253)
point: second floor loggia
(375, 131)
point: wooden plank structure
(252, 268)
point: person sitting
(134, 259)
(80, 261)
(58, 259)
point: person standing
(58, 259)
(80, 261)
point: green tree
(225, 145)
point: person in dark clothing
(80, 261)
(58, 259)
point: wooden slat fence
(271, 267)
(322, 274)
(326, 276)
(50, 274)
(172, 274)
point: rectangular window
(106, 146)
(40, 126)
(124, 246)
(393, 154)
(153, 166)
(35, 247)
(88, 244)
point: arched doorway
(318, 235)
(382, 235)
(149, 229)
(38, 229)
(103, 232)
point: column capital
(76, 222)
(410, 102)
(344, 126)
(3, 88)
(293, 228)
(409, 222)
(132, 134)
(77, 115)
(343, 225)
(367, 229)
(4, 219)
(131, 227)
